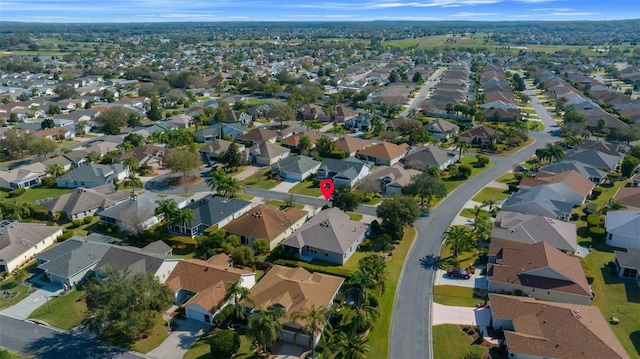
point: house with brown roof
(480, 135)
(342, 114)
(266, 221)
(351, 145)
(293, 141)
(541, 329)
(539, 271)
(575, 187)
(516, 230)
(383, 153)
(200, 286)
(629, 196)
(293, 289)
(211, 151)
(258, 135)
(57, 133)
(147, 155)
(393, 178)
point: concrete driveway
(476, 281)
(284, 186)
(180, 340)
(25, 307)
(448, 314)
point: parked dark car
(458, 273)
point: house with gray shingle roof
(513, 229)
(296, 168)
(424, 157)
(93, 175)
(592, 173)
(211, 210)
(628, 263)
(623, 229)
(540, 200)
(138, 212)
(348, 171)
(19, 242)
(594, 158)
(267, 153)
(393, 178)
(443, 130)
(23, 177)
(82, 202)
(329, 236)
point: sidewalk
(25, 307)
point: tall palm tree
(482, 226)
(237, 293)
(359, 285)
(304, 144)
(184, 218)
(461, 146)
(350, 346)
(169, 208)
(131, 181)
(325, 144)
(314, 319)
(361, 317)
(377, 267)
(216, 181)
(458, 239)
(132, 163)
(265, 326)
(54, 170)
(231, 187)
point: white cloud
(572, 13)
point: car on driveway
(458, 273)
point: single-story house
(78, 158)
(592, 173)
(293, 141)
(628, 263)
(443, 130)
(138, 212)
(539, 271)
(330, 236)
(147, 155)
(82, 202)
(480, 135)
(294, 289)
(515, 230)
(266, 221)
(200, 286)
(540, 200)
(342, 114)
(267, 153)
(61, 160)
(623, 229)
(542, 329)
(57, 133)
(23, 177)
(351, 145)
(220, 130)
(212, 150)
(422, 158)
(383, 153)
(594, 158)
(180, 121)
(393, 178)
(348, 171)
(211, 210)
(572, 185)
(19, 242)
(296, 168)
(629, 196)
(258, 135)
(93, 175)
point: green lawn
(453, 183)
(282, 205)
(22, 290)
(67, 311)
(306, 188)
(491, 193)
(450, 342)
(379, 335)
(463, 260)
(38, 193)
(259, 180)
(507, 178)
(156, 336)
(245, 197)
(355, 216)
(455, 295)
(201, 350)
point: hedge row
(313, 268)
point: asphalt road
(411, 335)
(41, 342)
(424, 90)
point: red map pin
(327, 187)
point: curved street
(411, 324)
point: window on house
(326, 253)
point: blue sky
(88, 11)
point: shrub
(65, 235)
(48, 181)
(471, 331)
(465, 329)
(224, 343)
(596, 233)
(483, 160)
(219, 318)
(593, 220)
(596, 191)
(17, 192)
(518, 292)
(243, 256)
(87, 219)
(76, 223)
(483, 271)
(465, 170)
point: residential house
(179, 121)
(629, 196)
(613, 149)
(480, 135)
(57, 133)
(19, 242)
(82, 202)
(220, 130)
(147, 155)
(293, 141)
(393, 178)
(350, 145)
(101, 148)
(93, 175)
(540, 200)
(78, 158)
(594, 158)
(383, 153)
(266, 221)
(25, 176)
(622, 229)
(329, 236)
(363, 122)
(296, 168)
(138, 212)
(267, 153)
(294, 289)
(342, 114)
(513, 229)
(61, 160)
(635, 180)
(258, 136)
(200, 286)
(77, 258)
(422, 158)
(348, 171)
(443, 130)
(542, 329)
(628, 263)
(211, 211)
(572, 185)
(539, 271)
(592, 173)
(211, 151)
(308, 112)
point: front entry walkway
(180, 340)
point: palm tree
(15, 210)
(359, 285)
(314, 125)
(325, 144)
(81, 126)
(339, 130)
(616, 206)
(169, 208)
(184, 217)
(216, 181)
(361, 317)
(231, 187)
(265, 326)
(458, 239)
(132, 163)
(377, 267)
(54, 170)
(304, 144)
(350, 346)
(314, 320)
(461, 146)
(131, 181)
(482, 226)
(237, 293)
